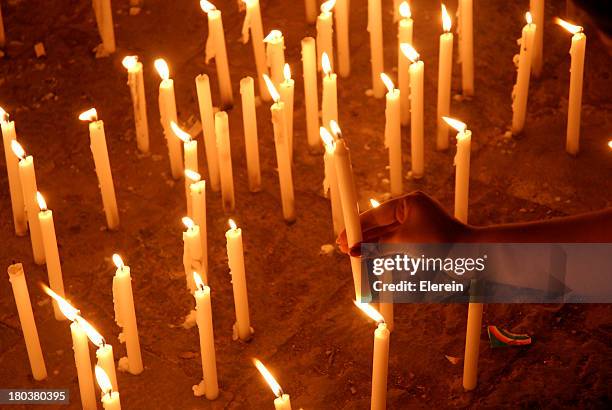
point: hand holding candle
(137, 90)
(215, 48)
(282, 401)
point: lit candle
(282, 401)
(286, 96)
(12, 169)
(283, 160)
(137, 90)
(27, 176)
(536, 7)
(393, 136)
(521, 88)
(104, 19)
(330, 183)
(225, 160)
(341, 15)
(26, 319)
(235, 256)
(330, 93)
(102, 165)
(466, 46)
(380, 361)
(192, 252)
(208, 386)
(445, 70)
(416, 110)
(575, 93)
(198, 203)
(249, 121)
(104, 353)
(275, 55)
(376, 46)
(311, 98)
(325, 43)
(110, 397)
(125, 317)
(207, 116)
(311, 10)
(190, 152)
(167, 114)
(252, 23)
(215, 48)
(404, 35)
(462, 165)
(54, 267)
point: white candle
(104, 353)
(521, 88)
(26, 319)
(12, 169)
(466, 46)
(104, 18)
(341, 15)
(404, 35)
(311, 10)
(275, 56)
(472, 346)
(139, 103)
(330, 183)
(82, 360)
(376, 46)
(27, 176)
(249, 121)
(445, 70)
(125, 317)
(286, 91)
(325, 43)
(283, 160)
(330, 93)
(207, 117)
(416, 111)
(282, 400)
(192, 253)
(575, 92)
(110, 397)
(225, 160)
(215, 48)
(198, 201)
(208, 386)
(190, 154)
(536, 7)
(167, 114)
(252, 23)
(102, 165)
(54, 267)
(235, 256)
(311, 98)
(393, 136)
(462, 165)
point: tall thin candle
(12, 169)
(445, 70)
(215, 48)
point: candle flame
(271, 88)
(370, 311)
(66, 308)
(207, 6)
(92, 334)
(446, 20)
(232, 224)
(335, 128)
(42, 204)
(404, 10)
(118, 261)
(198, 280)
(18, 149)
(192, 175)
(3, 115)
(388, 83)
(528, 18)
(278, 392)
(183, 136)
(569, 26)
(162, 68)
(610, 144)
(129, 62)
(188, 222)
(409, 52)
(89, 115)
(103, 380)
(456, 124)
(374, 203)
(273, 35)
(327, 6)
(327, 138)
(326, 64)
(287, 72)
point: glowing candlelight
(416, 110)
(12, 169)
(252, 23)
(393, 136)
(374, 203)
(110, 397)
(330, 183)
(192, 175)
(282, 401)
(136, 84)
(404, 35)
(104, 353)
(330, 92)
(167, 114)
(325, 31)
(235, 255)
(521, 89)
(286, 91)
(192, 252)
(190, 155)
(215, 48)
(275, 55)
(445, 68)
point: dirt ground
(306, 328)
